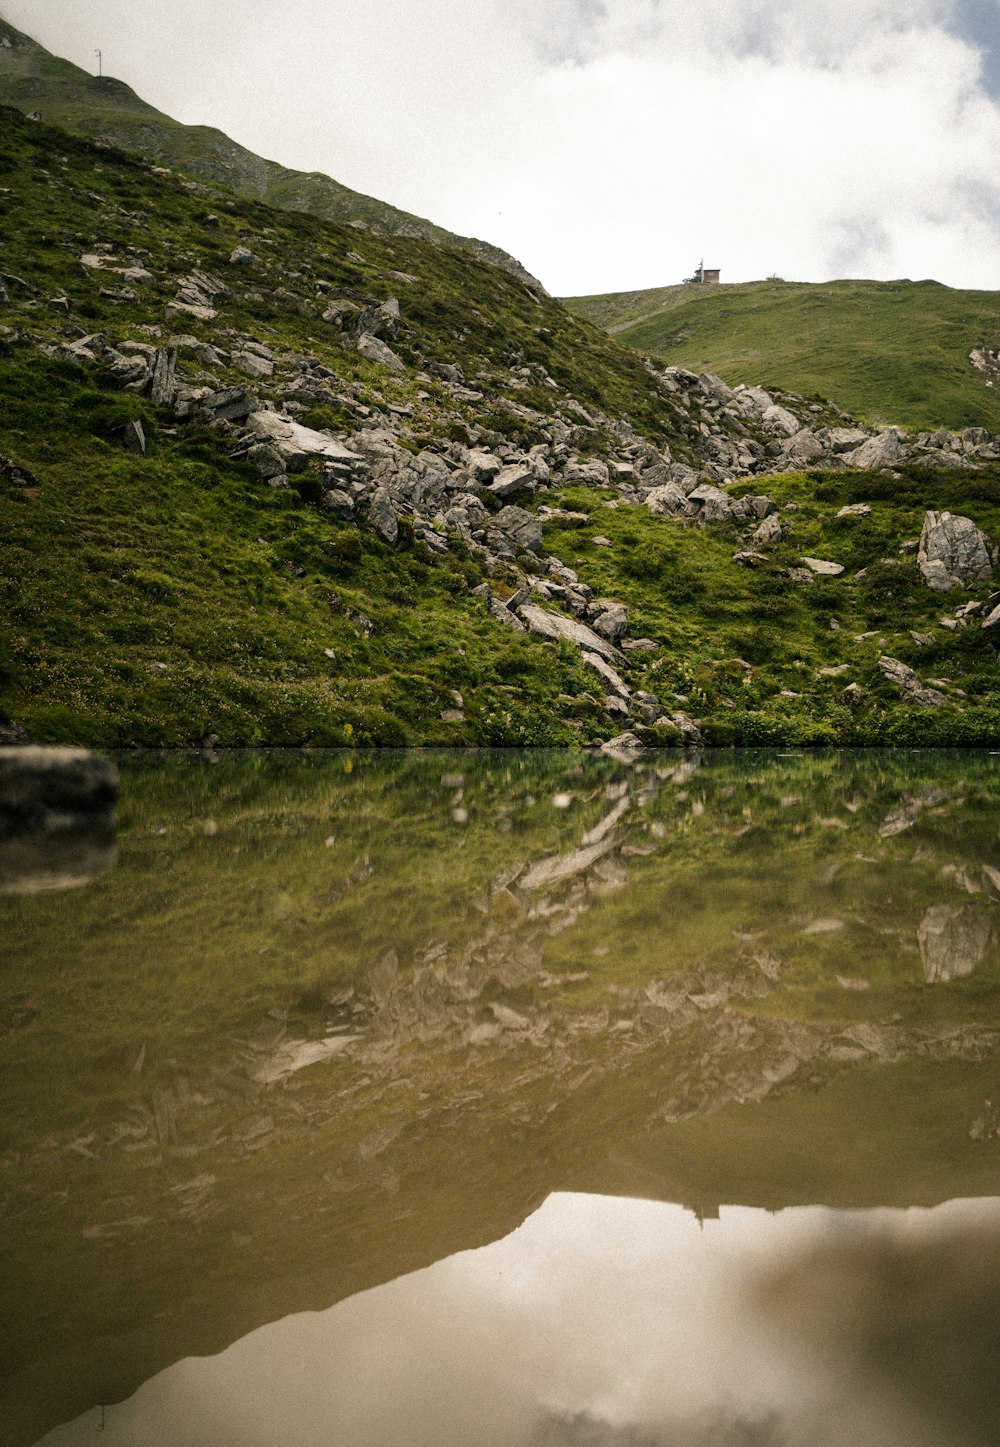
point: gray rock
(624, 746)
(132, 437)
(295, 443)
(768, 532)
(253, 364)
(519, 527)
(590, 474)
(881, 450)
(484, 466)
(855, 510)
(498, 611)
(509, 481)
(616, 684)
(610, 620)
(546, 624)
(953, 941)
(901, 676)
(340, 503)
(846, 439)
(242, 256)
(708, 504)
(779, 420)
(163, 382)
(268, 461)
(382, 517)
(824, 568)
(953, 553)
(667, 500)
(375, 350)
(804, 447)
(231, 404)
(340, 311)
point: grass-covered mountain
(277, 480)
(913, 353)
(105, 109)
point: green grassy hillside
(155, 598)
(895, 351)
(103, 108)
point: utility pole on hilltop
(99, 64)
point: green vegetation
(157, 599)
(745, 651)
(893, 351)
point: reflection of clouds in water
(620, 1323)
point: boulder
(163, 381)
(881, 450)
(845, 439)
(375, 350)
(483, 466)
(590, 474)
(953, 553)
(510, 480)
(666, 500)
(768, 532)
(618, 687)
(804, 447)
(779, 420)
(610, 620)
(521, 529)
(295, 443)
(912, 690)
(823, 568)
(498, 610)
(708, 504)
(382, 517)
(546, 624)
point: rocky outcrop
(903, 678)
(953, 553)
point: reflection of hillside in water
(605, 1322)
(343, 1025)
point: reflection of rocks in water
(953, 941)
(63, 861)
(57, 812)
(906, 814)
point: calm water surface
(525, 1099)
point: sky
(610, 145)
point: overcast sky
(609, 144)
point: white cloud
(608, 143)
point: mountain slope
(896, 351)
(276, 480)
(106, 109)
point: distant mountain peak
(104, 108)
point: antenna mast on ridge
(100, 64)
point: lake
(517, 1098)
